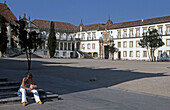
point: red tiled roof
(96, 26)
(141, 22)
(92, 26)
(7, 13)
(58, 25)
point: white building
(127, 35)
(95, 39)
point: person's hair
(28, 76)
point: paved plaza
(119, 85)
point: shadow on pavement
(61, 79)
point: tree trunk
(149, 54)
(112, 56)
(152, 54)
(28, 60)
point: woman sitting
(28, 85)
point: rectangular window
(83, 46)
(83, 36)
(144, 53)
(119, 34)
(93, 35)
(125, 44)
(125, 34)
(64, 53)
(168, 29)
(137, 53)
(137, 44)
(131, 44)
(124, 54)
(119, 44)
(131, 54)
(131, 33)
(160, 30)
(88, 46)
(144, 31)
(167, 42)
(159, 53)
(93, 46)
(137, 33)
(89, 36)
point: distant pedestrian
(28, 85)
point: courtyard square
(124, 85)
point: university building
(93, 41)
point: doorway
(119, 55)
(106, 52)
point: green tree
(52, 41)
(113, 50)
(151, 41)
(27, 40)
(3, 35)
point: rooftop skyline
(90, 11)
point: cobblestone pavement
(119, 85)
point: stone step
(9, 88)
(18, 99)
(8, 94)
(3, 79)
(2, 84)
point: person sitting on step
(28, 85)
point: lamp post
(101, 47)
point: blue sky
(91, 11)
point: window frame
(144, 54)
(124, 46)
(131, 55)
(124, 54)
(167, 42)
(130, 44)
(118, 44)
(137, 54)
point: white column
(67, 46)
(75, 46)
(59, 45)
(71, 46)
(63, 46)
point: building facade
(94, 40)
